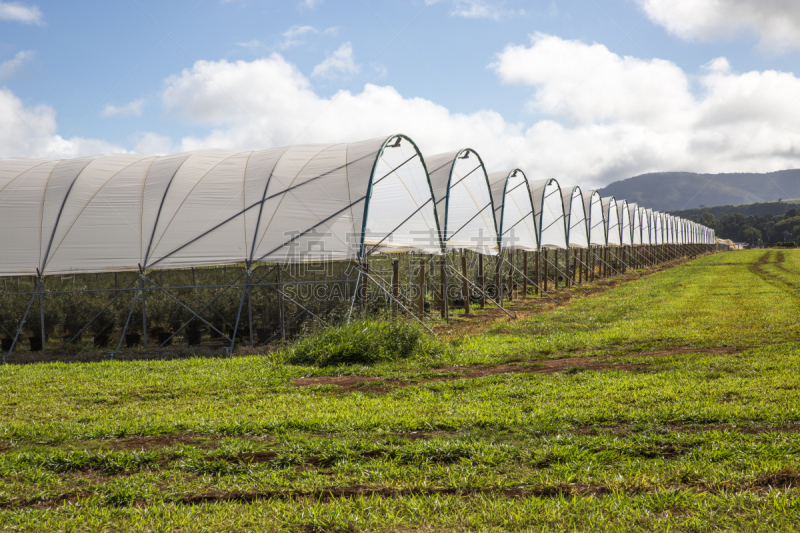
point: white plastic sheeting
(309, 202)
(658, 220)
(513, 210)
(597, 219)
(463, 201)
(624, 217)
(636, 224)
(575, 218)
(117, 212)
(612, 221)
(548, 211)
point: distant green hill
(760, 208)
(674, 191)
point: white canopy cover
(548, 211)
(612, 221)
(597, 220)
(624, 222)
(575, 218)
(636, 224)
(117, 212)
(513, 210)
(463, 201)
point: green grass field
(667, 403)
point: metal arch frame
(608, 200)
(622, 211)
(368, 195)
(500, 230)
(637, 224)
(591, 224)
(633, 216)
(568, 217)
(450, 184)
(538, 217)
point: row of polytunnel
(124, 212)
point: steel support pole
(249, 305)
(21, 324)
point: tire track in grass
(787, 478)
(758, 269)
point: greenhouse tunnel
(636, 224)
(575, 217)
(150, 238)
(212, 207)
(513, 210)
(597, 221)
(548, 212)
(623, 215)
(612, 221)
(463, 201)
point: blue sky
(587, 91)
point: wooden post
(421, 297)
(510, 275)
(536, 275)
(498, 277)
(281, 309)
(555, 272)
(395, 286)
(443, 272)
(364, 288)
(525, 272)
(546, 269)
(581, 267)
(574, 266)
(482, 280)
(465, 284)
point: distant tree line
(719, 211)
(767, 228)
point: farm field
(670, 402)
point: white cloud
(480, 9)
(31, 132)
(775, 22)
(13, 67)
(310, 4)
(291, 37)
(20, 13)
(621, 116)
(133, 108)
(253, 44)
(612, 116)
(153, 144)
(341, 62)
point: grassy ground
(666, 403)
